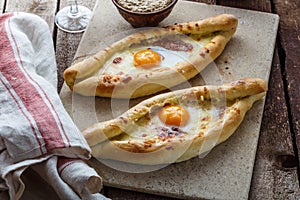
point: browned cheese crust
(83, 77)
(112, 140)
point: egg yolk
(146, 59)
(174, 116)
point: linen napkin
(35, 130)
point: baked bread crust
(112, 139)
(83, 77)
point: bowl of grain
(144, 13)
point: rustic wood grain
(118, 194)
(43, 8)
(289, 13)
(258, 5)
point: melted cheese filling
(123, 62)
(151, 127)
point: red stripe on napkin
(24, 88)
(64, 162)
(4, 17)
(32, 127)
(44, 93)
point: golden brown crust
(82, 77)
(223, 22)
(242, 93)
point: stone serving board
(225, 173)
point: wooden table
(276, 171)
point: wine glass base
(73, 23)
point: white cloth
(35, 129)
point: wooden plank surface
(44, 8)
(289, 35)
(258, 5)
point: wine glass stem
(74, 8)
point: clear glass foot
(73, 18)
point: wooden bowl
(145, 19)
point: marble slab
(225, 173)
